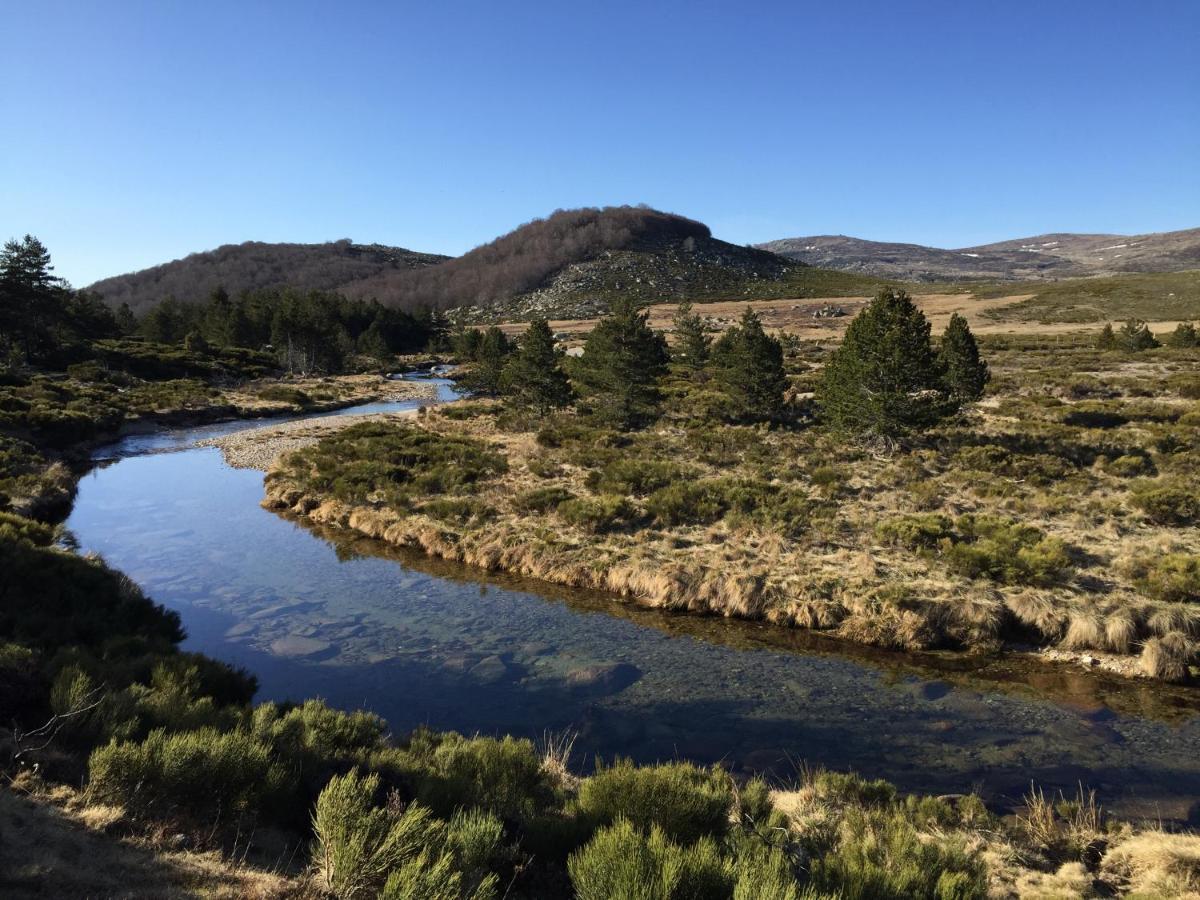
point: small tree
(1135, 336)
(692, 338)
(126, 320)
(622, 362)
(885, 378)
(1184, 335)
(1107, 340)
(966, 374)
(748, 367)
(494, 349)
(533, 378)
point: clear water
(425, 642)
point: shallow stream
(313, 613)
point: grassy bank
(1059, 512)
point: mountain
(255, 265)
(1044, 256)
(575, 260)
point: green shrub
(543, 499)
(765, 873)
(685, 801)
(879, 855)
(607, 512)
(461, 510)
(281, 393)
(983, 547)
(1130, 466)
(915, 532)
(848, 787)
(385, 463)
(502, 776)
(197, 774)
(1007, 551)
(1168, 501)
(357, 844)
(688, 503)
(619, 862)
(1173, 577)
(636, 476)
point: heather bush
(878, 854)
(1168, 501)
(687, 802)
(607, 512)
(196, 774)
(1169, 576)
(503, 776)
(543, 499)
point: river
(423, 642)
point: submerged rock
(604, 678)
(295, 645)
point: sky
(136, 133)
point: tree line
(886, 378)
(43, 321)
(309, 331)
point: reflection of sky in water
(451, 652)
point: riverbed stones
(603, 678)
(298, 646)
(492, 670)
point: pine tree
(484, 377)
(1135, 336)
(748, 367)
(533, 379)
(885, 378)
(1184, 335)
(692, 339)
(32, 298)
(1107, 339)
(623, 360)
(126, 320)
(966, 374)
(217, 317)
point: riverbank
(258, 448)
(1043, 517)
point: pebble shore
(257, 448)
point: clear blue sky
(134, 133)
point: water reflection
(426, 642)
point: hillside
(569, 263)
(255, 265)
(1040, 257)
(574, 260)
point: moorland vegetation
(891, 490)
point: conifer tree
(692, 339)
(1184, 335)
(885, 378)
(126, 320)
(1135, 336)
(748, 367)
(533, 379)
(623, 360)
(966, 374)
(484, 377)
(1107, 339)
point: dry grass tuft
(1156, 864)
(1167, 657)
(1085, 631)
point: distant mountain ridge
(1044, 256)
(572, 257)
(254, 265)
